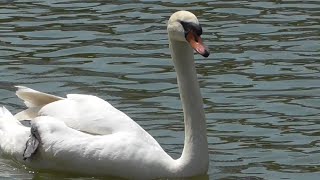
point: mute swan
(84, 134)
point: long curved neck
(194, 159)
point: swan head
(184, 26)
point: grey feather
(32, 143)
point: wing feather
(89, 114)
(81, 112)
(33, 98)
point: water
(260, 85)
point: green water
(260, 85)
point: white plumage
(86, 135)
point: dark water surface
(261, 84)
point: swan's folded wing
(89, 114)
(82, 112)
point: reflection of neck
(194, 158)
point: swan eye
(190, 26)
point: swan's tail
(34, 100)
(13, 135)
(4, 113)
(6, 118)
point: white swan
(86, 135)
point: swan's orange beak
(196, 43)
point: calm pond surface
(261, 85)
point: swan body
(84, 134)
